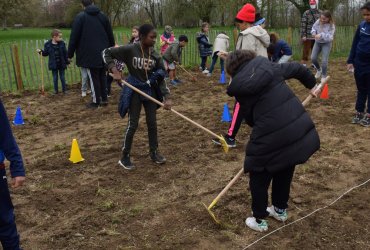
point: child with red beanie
(253, 38)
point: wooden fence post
(290, 36)
(18, 74)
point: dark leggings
(133, 122)
(236, 122)
(203, 62)
(259, 183)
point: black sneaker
(104, 103)
(92, 105)
(125, 162)
(157, 157)
(357, 118)
(231, 143)
(365, 121)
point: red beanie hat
(247, 13)
(312, 2)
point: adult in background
(309, 17)
(91, 34)
(9, 236)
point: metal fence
(21, 68)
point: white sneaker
(318, 74)
(83, 93)
(280, 217)
(209, 74)
(88, 91)
(323, 79)
(205, 71)
(259, 227)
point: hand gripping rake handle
(236, 177)
(223, 142)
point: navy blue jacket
(205, 48)
(360, 51)
(281, 48)
(49, 51)
(91, 34)
(283, 133)
(8, 145)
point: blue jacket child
(205, 48)
(9, 237)
(359, 62)
(56, 49)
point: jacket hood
(222, 36)
(259, 33)
(92, 10)
(252, 77)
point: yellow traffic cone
(76, 156)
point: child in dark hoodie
(283, 134)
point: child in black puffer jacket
(283, 133)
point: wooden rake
(190, 74)
(220, 137)
(237, 176)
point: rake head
(224, 143)
(212, 214)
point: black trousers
(133, 122)
(99, 87)
(259, 183)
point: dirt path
(98, 205)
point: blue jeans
(214, 60)
(324, 48)
(9, 237)
(85, 79)
(363, 91)
(62, 79)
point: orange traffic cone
(325, 92)
(76, 156)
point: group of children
(283, 134)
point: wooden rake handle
(181, 67)
(174, 111)
(310, 96)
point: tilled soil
(98, 205)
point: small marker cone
(226, 114)
(325, 92)
(18, 119)
(76, 156)
(222, 77)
